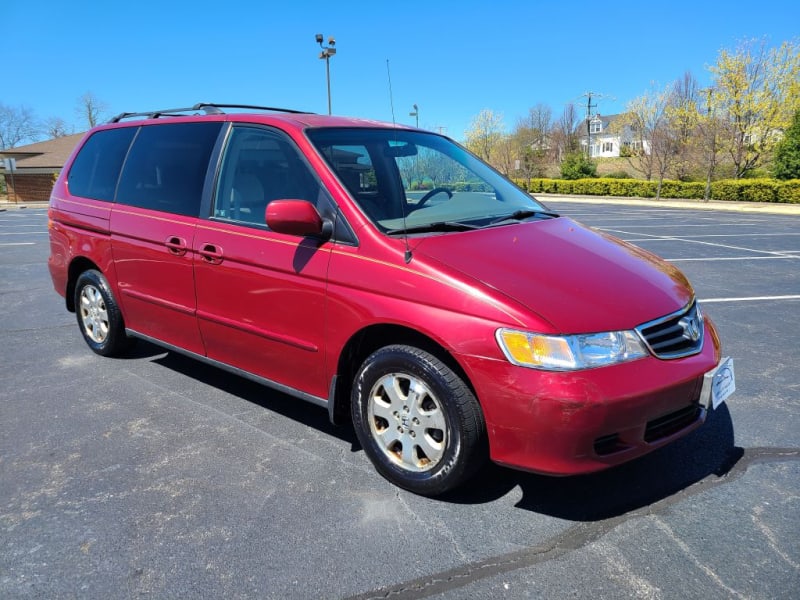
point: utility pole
(589, 108)
(415, 114)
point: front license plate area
(718, 384)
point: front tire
(417, 420)
(99, 317)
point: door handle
(176, 245)
(211, 253)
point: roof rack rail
(208, 108)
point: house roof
(51, 154)
(606, 121)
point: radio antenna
(391, 95)
(407, 257)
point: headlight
(569, 352)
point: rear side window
(167, 166)
(95, 171)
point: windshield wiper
(437, 226)
(525, 213)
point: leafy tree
(485, 133)
(787, 153)
(648, 119)
(577, 165)
(757, 92)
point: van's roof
(248, 113)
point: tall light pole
(327, 52)
(415, 114)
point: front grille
(671, 423)
(674, 336)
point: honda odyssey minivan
(388, 275)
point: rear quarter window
(95, 170)
(166, 167)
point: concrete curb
(754, 207)
(14, 206)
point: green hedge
(745, 190)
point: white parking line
(750, 298)
(17, 243)
(728, 235)
(690, 241)
(713, 223)
(22, 232)
(662, 239)
(722, 258)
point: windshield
(412, 181)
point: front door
(261, 299)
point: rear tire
(417, 420)
(99, 317)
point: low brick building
(37, 167)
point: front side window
(167, 166)
(409, 180)
(259, 166)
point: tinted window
(167, 166)
(95, 171)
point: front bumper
(565, 423)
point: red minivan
(387, 274)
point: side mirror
(297, 217)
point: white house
(609, 138)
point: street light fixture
(327, 52)
(415, 114)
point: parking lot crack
(573, 538)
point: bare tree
(17, 125)
(684, 116)
(90, 109)
(532, 140)
(565, 132)
(537, 124)
(504, 155)
(708, 138)
(56, 127)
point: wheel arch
(76, 267)
(363, 343)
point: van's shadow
(709, 450)
(261, 395)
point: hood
(577, 279)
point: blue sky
(452, 59)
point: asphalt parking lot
(155, 476)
